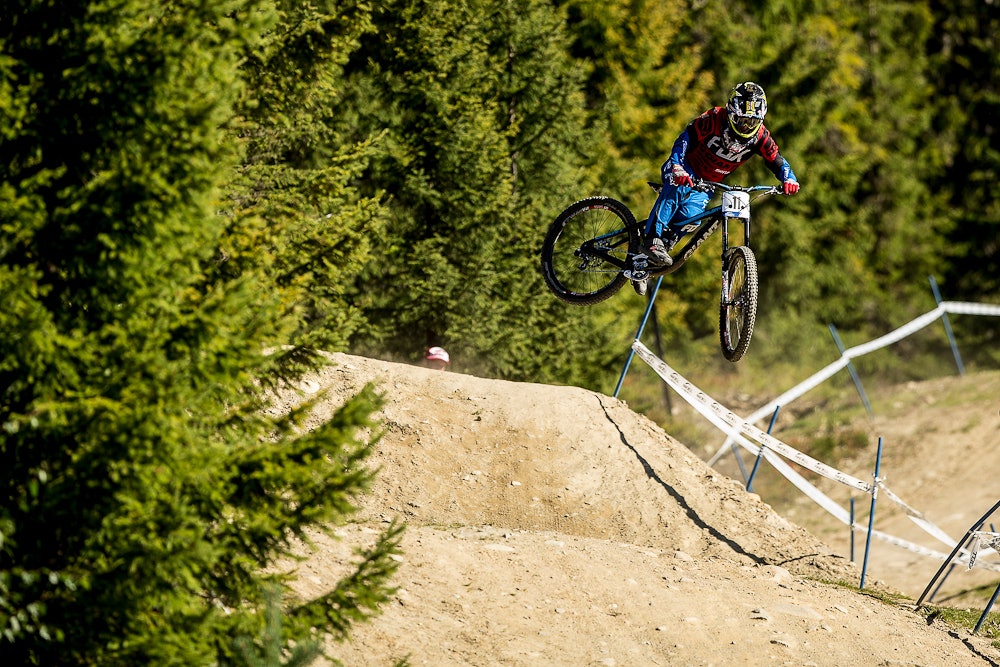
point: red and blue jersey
(708, 150)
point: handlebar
(712, 186)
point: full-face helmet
(747, 106)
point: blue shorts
(675, 204)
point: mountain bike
(595, 246)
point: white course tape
(956, 307)
(705, 404)
(980, 537)
(962, 557)
(844, 516)
(894, 336)
(803, 485)
(919, 519)
(737, 430)
(965, 308)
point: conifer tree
(647, 81)
(965, 55)
(144, 489)
(966, 63)
(297, 172)
(485, 139)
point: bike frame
(714, 216)
(717, 217)
(699, 236)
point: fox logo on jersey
(733, 152)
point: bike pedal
(638, 270)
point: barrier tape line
(953, 307)
(738, 430)
(738, 425)
(838, 512)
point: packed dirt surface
(552, 525)
(941, 455)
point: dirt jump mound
(552, 525)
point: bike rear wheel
(587, 248)
(738, 309)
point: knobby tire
(738, 308)
(576, 275)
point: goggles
(745, 125)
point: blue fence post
(760, 453)
(947, 327)
(854, 373)
(638, 334)
(871, 513)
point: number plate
(736, 205)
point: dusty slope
(941, 442)
(554, 526)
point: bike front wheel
(587, 249)
(738, 309)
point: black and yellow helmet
(747, 106)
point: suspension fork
(726, 253)
(724, 296)
(725, 235)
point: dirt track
(555, 526)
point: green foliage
(297, 174)
(965, 58)
(645, 83)
(484, 140)
(966, 619)
(145, 489)
(270, 651)
(848, 96)
(451, 134)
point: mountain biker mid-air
(711, 147)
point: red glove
(790, 187)
(680, 177)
